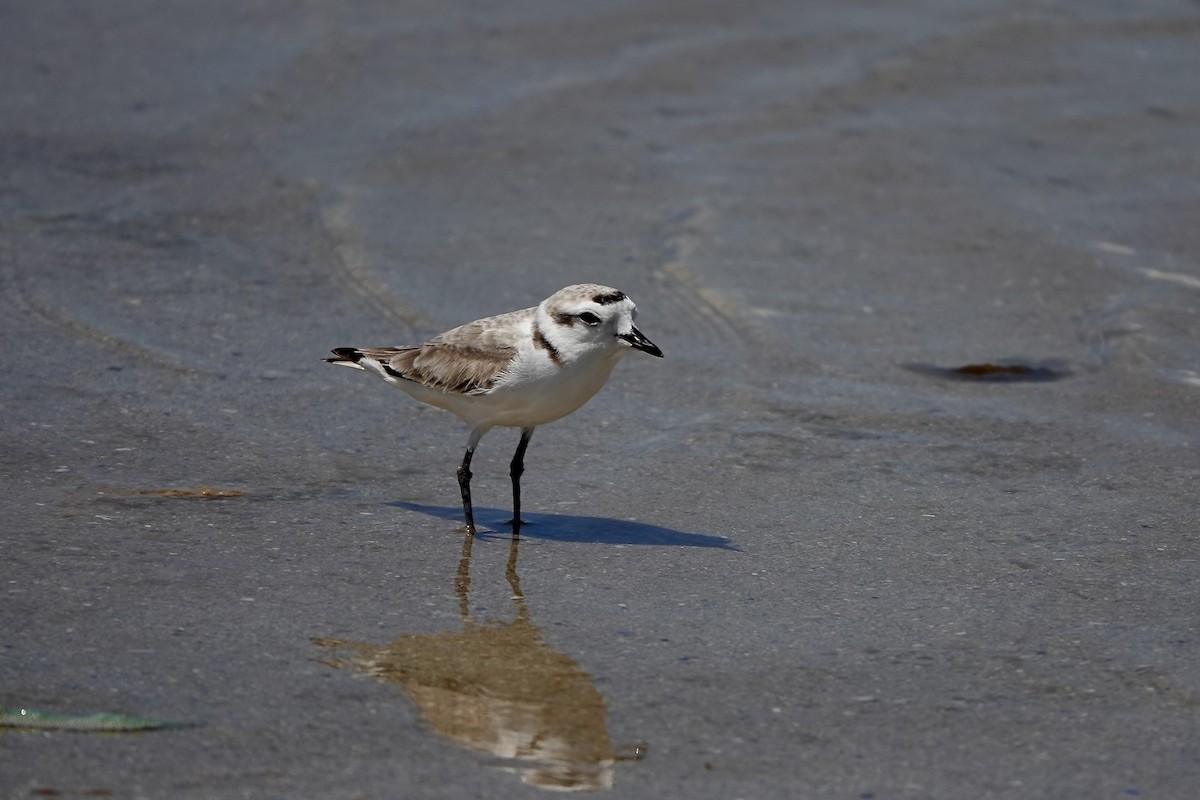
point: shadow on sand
(567, 528)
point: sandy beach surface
(908, 510)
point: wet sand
(908, 510)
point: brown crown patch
(607, 298)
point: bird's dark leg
(464, 485)
(514, 471)
(464, 480)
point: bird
(520, 370)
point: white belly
(530, 399)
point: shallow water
(807, 551)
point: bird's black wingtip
(352, 354)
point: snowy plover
(517, 370)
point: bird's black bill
(640, 342)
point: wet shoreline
(907, 510)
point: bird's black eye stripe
(589, 318)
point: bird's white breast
(535, 390)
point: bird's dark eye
(589, 318)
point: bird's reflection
(498, 688)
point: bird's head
(588, 317)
